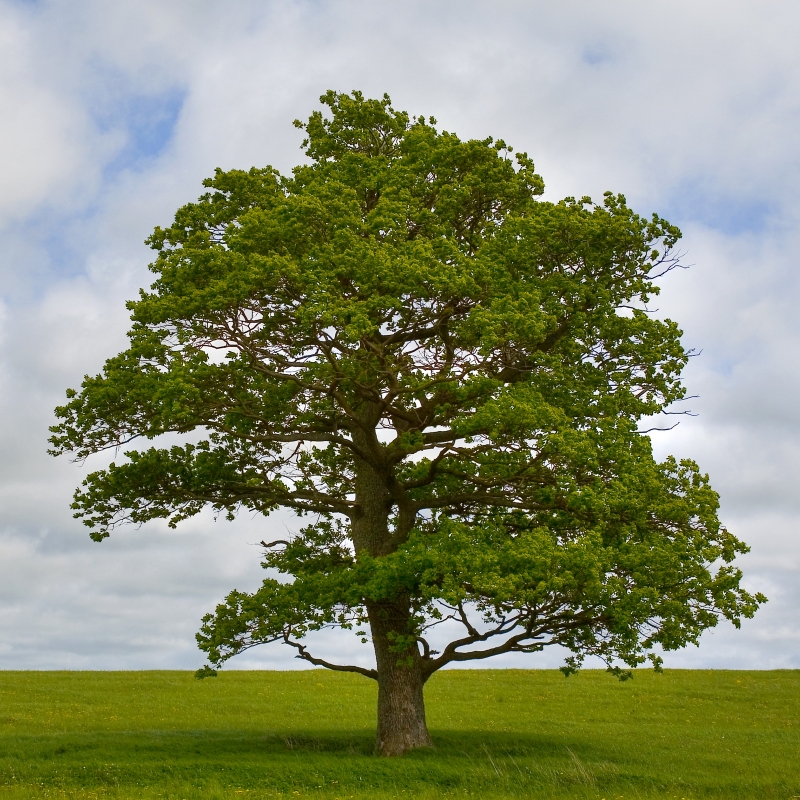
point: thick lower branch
(527, 641)
(303, 653)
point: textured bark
(370, 521)
(401, 705)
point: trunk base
(397, 742)
(401, 712)
(401, 705)
(394, 749)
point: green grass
(682, 734)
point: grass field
(499, 733)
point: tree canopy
(447, 377)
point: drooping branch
(302, 652)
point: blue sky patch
(148, 123)
(718, 208)
(596, 54)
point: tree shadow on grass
(494, 764)
(187, 744)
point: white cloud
(116, 111)
(40, 132)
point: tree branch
(512, 644)
(303, 653)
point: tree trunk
(401, 706)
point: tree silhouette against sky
(449, 379)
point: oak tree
(447, 377)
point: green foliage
(498, 733)
(449, 373)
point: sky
(111, 115)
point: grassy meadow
(499, 734)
